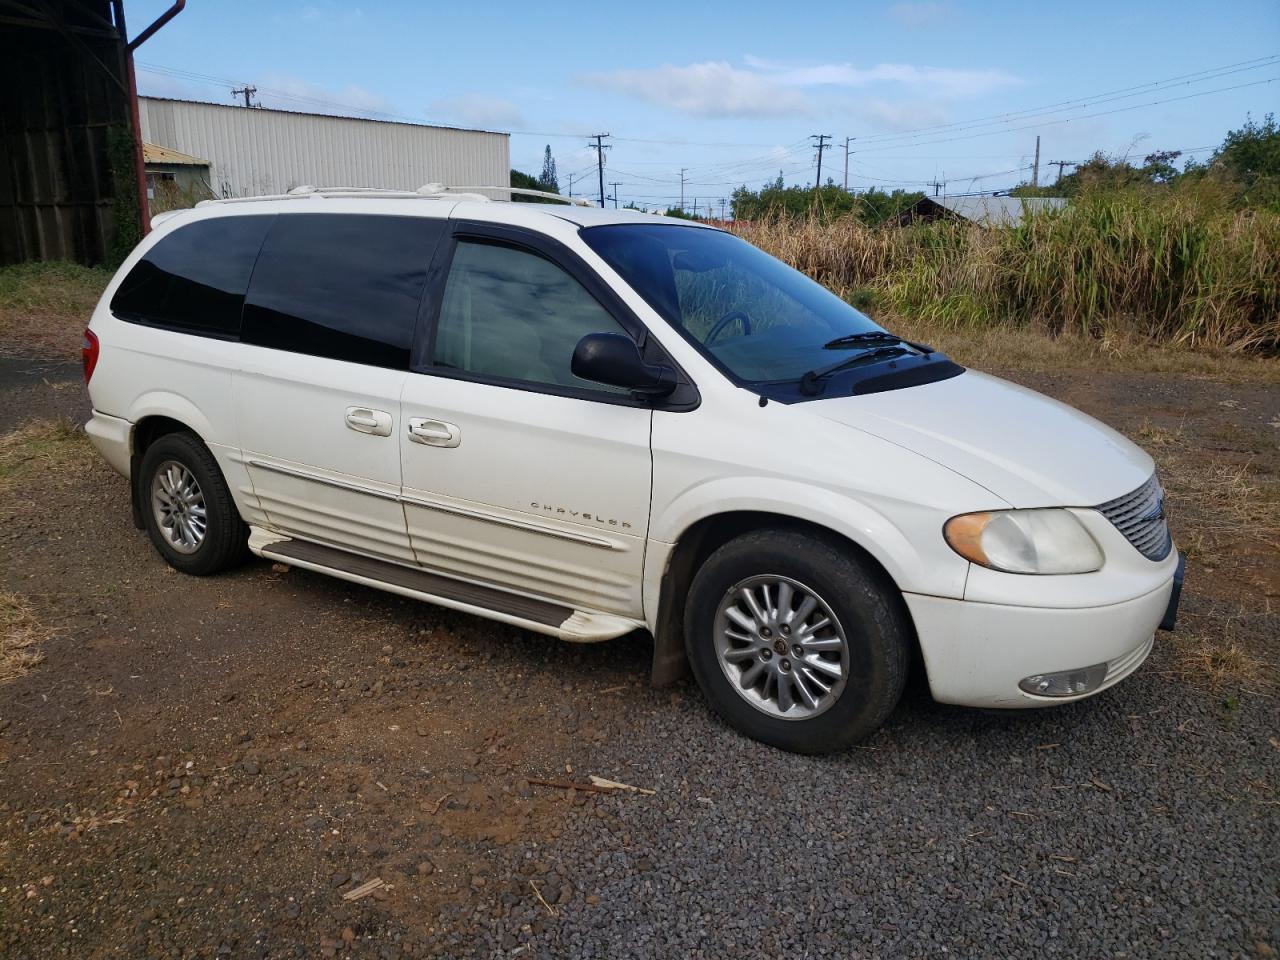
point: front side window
(510, 314)
(194, 279)
(343, 286)
(756, 316)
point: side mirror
(614, 359)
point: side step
(540, 616)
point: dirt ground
(208, 767)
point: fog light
(1066, 683)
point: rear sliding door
(329, 321)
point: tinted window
(341, 286)
(757, 316)
(513, 315)
(195, 278)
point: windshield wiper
(871, 337)
(811, 383)
(858, 339)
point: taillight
(89, 353)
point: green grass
(45, 306)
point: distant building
(174, 177)
(256, 151)
(984, 211)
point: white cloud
(478, 110)
(768, 88)
(896, 116)
(945, 82)
(919, 15)
(712, 89)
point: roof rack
(428, 191)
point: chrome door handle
(434, 433)
(374, 422)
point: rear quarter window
(343, 286)
(194, 279)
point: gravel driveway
(218, 767)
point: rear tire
(187, 507)
(795, 642)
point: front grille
(1140, 517)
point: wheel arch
(702, 538)
(146, 431)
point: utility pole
(600, 147)
(571, 186)
(247, 91)
(847, 151)
(615, 184)
(822, 139)
(937, 185)
(1060, 164)
(682, 172)
(722, 209)
(1035, 170)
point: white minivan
(588, 422)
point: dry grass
(44, 307)
(1169, 270)
(1227, 519)
(42, 449)
(1219, 662)
(20, 637)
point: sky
(929, 92)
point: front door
(516, 473)
(329, 322)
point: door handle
(374, 422)
(434, 433)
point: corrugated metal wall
(253, 152)
(58, 101)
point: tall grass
(1173, 269)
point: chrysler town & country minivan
(586, 423)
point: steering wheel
(727, 319)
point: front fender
(909, 547)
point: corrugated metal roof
(998, 211)
(153, 153)
(256, 152)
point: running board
(540, 616)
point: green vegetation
(126, 220)
(777, 200)
(549, 182)
(1148, 252)
(1243, 172)
(1172, 268)
(45, 306)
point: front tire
(187, 508)
(795, 642)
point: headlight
(1024, 541)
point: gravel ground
(203, 768)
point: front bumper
(976, 653)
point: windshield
(759, 318)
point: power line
(1091, 100)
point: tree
(829, 202)
(549, 181)
(1250, 158)
(527, 182)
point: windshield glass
(756, 316)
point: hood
(1024, 447)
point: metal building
(254, 151)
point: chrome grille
(1140, 517)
